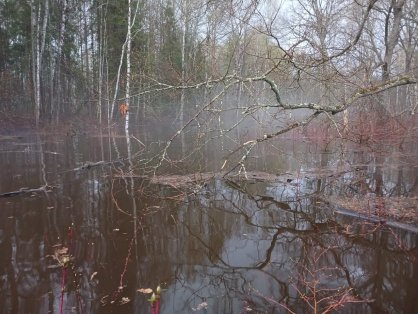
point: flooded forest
(208, 156)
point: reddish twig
(157, 305)
(125, 268)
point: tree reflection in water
(224, 246)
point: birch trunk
(101, 51)
(128, 66)
(58, 88)
(38, 45)
(183, 58)
(124, 47)
(34, 48)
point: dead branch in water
(44, 188)
(88, 165)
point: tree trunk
(183, 72)
(128, 65)
(38, 45)
(58, 88)
(391, 36)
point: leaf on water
(201, 306)
(145, 290)
(125, 300)
(104, 300)
(93, 275)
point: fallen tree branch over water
(48, 188)
(44, 188)
(88, 165)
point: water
(262, 245)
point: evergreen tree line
(60, 57)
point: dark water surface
(262, 245)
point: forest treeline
(60, 58)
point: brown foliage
(123, 109)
